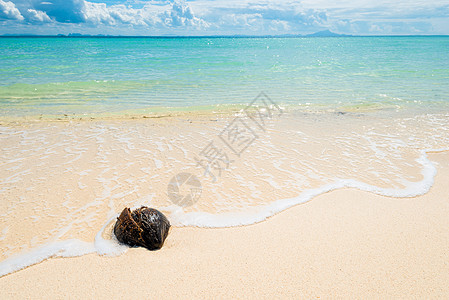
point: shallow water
(57, 76)
(63, 183)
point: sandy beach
(344, 244)
(290, 150)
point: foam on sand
(69, 181)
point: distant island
(323, 33)
(326, 33)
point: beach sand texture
(67, 180)
(346, 243)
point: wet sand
(345, 243)
(66, 179)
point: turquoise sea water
(56, 76)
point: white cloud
(125, 15)
(8, 10)
(159, 14)
(197, 17)
(97, 13)
(182, 15)
(260, 16)
(279, 26)
(37, 16)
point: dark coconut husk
(143, 227)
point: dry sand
(346, 243)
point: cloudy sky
(223, 17)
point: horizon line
(214, 36)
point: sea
(82, 76)
(212, 131)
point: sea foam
(178, 217)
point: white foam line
(108, 247)
(67, 248)
(232, 219)
(74, 247)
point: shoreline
(343, 243)
(102, 247)
(130, 153)
(225, 111)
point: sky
(224, 17)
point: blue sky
(223, 17)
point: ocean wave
(89, 171)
